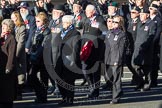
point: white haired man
(67, 50)
(94, 30)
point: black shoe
(108, 86)
(84, 82)
(145, 89)
(65, 103)
(114, 101)
(40, 100)
(138, 87)
(62, 102)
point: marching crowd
(78, 39)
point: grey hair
(91, 7)
(9, 23)
(68, 18)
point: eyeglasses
(116, 22)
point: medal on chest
(116, 37)
(146, 28)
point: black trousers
(40, 85)
(113, 74)
(155, 67)
(65, 81)
(144, 71)
(93, 75)
(128, 60)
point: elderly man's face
(89, 12)
(144, 16)
(112, 10)
(56, 14)
(24, 12)
(134, 14)
(76, 8)
(66, 24)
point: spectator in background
(8, 76)
(12, 6)
(40, 7)
(3, 10)
(49, 5)
(141, 4)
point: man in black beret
(130, 39)
(79, 16)
(143, 50)
(154, 15)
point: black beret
(136, 9)
(59, 7)
(78, 2)
(145, 10)
(154, 6)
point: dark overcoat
(114, 42)
(143, 51)
(7, 61)
(67, 51)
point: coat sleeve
(158, 31)
(31, 33)
(11, 54)
(122, 46)
(21, 41)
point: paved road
(130, 99)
